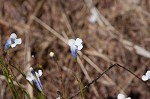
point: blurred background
(113, 31)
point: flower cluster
(122, 96)
(34, 77)
(12, 41)
(146, 76)
(74, 46)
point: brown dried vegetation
(122, 25)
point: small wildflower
(51, 54)
(146, 76)
(74, 46)
(58, 98)
(34, 76)
(12, 41)
(93, 17)
(32, 56)
(121, 96)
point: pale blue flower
(34, 77)
(12, 41)
(146, 76)
(74, 46)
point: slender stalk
(101, 74)
(11, 77)
(21, 73)
(6, 75)
(23, 90)
(80, 84)
(61, 77)
(79, 81)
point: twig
(49, 29)
(129, 80)
(98, 69)
(101, 74)
(101, 55)
(87, 76)
(64, 15)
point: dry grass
(120, 35)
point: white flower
(74, 46)
(32, 56)
(77, 44)
(121, 96)
(34, 77)
(58, 98)
(146, 77)
(12, 41)
(93, 17)
(51, 54)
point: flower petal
(71, 42)
(13, 45)
(80, 47)
(148, 74)
(39, 81)
(18, 41)
(144, 78)
(121, 96)
(40, 72)
(37, 84)
(128, 98)
(78, 42)
(29, 78)
(73, 52)
(37, 75)
(7, 44)
(13, 35)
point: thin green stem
(79, 81)
(6, 75)
(23, 74)
(23, 90)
